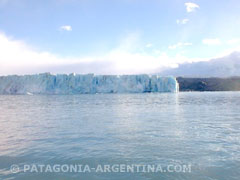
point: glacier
(47, 83)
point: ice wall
(47, 83)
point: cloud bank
(219, 67)
(16, 57)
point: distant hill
(220, 74)
(221, 67)
(209, 84)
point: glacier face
(47, 83)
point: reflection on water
(201, 129)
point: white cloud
(215, 41)
(190, 7)
(149, 45)
(183, 21)
(66, 28)
(178, 45)
(233, 41)
(16, 57)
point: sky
(114, 37)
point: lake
(167, 136)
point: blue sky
(114, 36)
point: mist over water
(201, 129)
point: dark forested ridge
(209, 84)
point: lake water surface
(197, 129)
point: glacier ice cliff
(47, 83)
